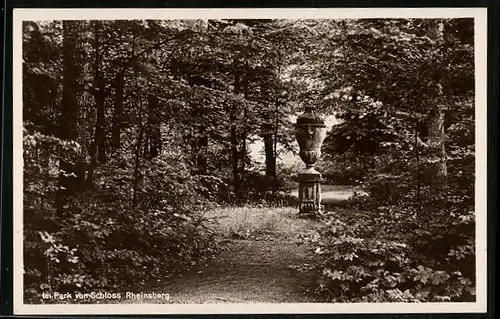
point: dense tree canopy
(133, 128)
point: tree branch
(153, 47)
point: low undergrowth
(257, 222)
(384, 255)
(109, 236)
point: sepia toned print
(286, 161)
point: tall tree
(436, 126)
(72, 173)
(395, 84)
(98, 144)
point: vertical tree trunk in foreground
(244, 135)
(117, 116)
(97, 148)
(72, 173)
(437, 137)
(100, 101)
(153, 133)
(269, 150)
(234, 137)
(137, 164)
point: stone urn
(310, 132)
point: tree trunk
(153, 136)
(436, 142)
(235, 154)
(436, 173)
(436, 152)
(71, 72)
(243, 150)
(139, 140)
(270, 143)
(275, 147)
(68, 122)
(137, 166)
(276, 124)
(117, 116)
(97, 147)
(269, 152)
(244, 135)
(199, 142)
(93, 163)
(100, 134)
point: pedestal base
(310, 193)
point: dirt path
(254, 266)
(246, 272)
(250, 269)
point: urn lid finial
(310, 117)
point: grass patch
(259, 222)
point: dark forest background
(133, 129)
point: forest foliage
(405, 96)
(133, 129)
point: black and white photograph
(229, 161)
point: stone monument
(310, 131)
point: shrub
(388, 255)
(96, 238)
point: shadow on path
(246, 272)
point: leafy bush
(390, 254)
(97, 238)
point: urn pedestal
(310, 131)
(309, 194)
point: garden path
(247, 271)
(259, 247)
